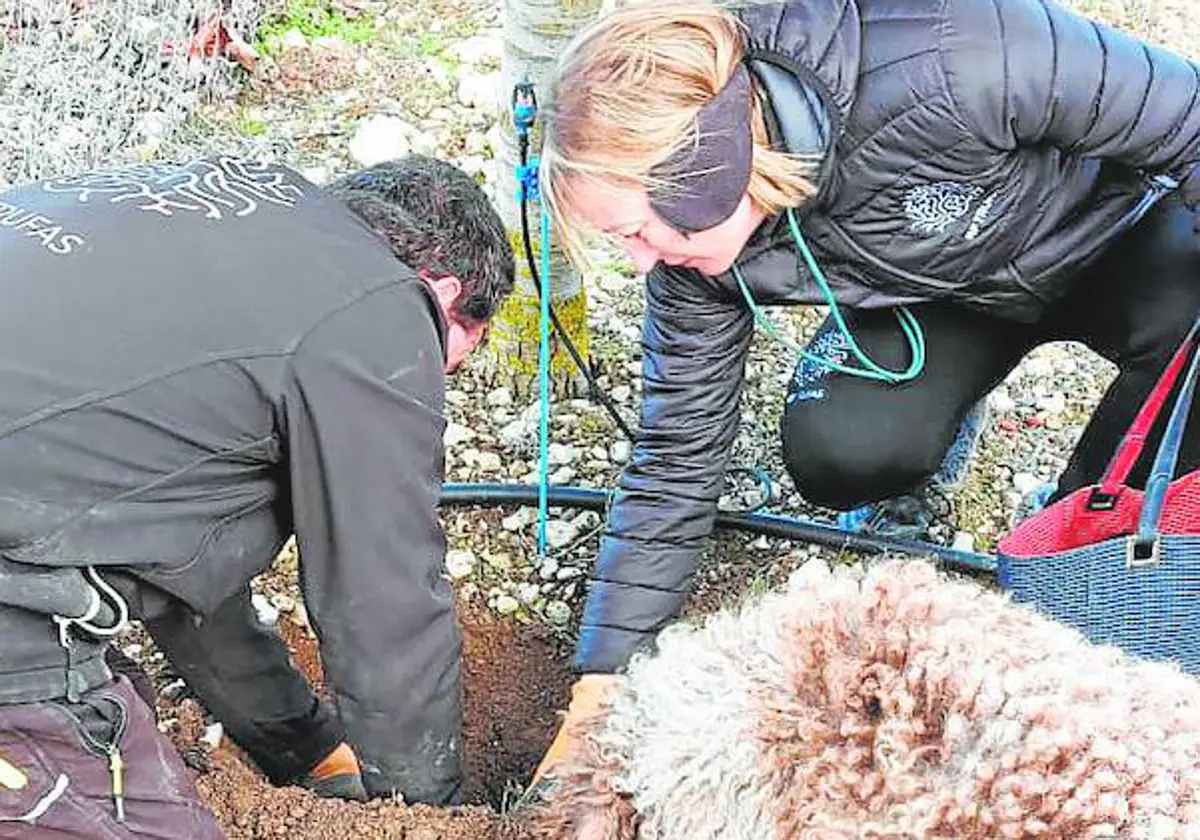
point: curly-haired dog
(905, 705)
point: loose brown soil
(516, 679)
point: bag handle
(1144, 547)
(1130, 448)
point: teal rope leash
(870, 369)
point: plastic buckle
(1102, 501)
(1139, 554)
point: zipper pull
(116, 766)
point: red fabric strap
(1135, 439)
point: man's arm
(695, 345)
(1027, 72)
(364, 427)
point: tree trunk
(535, 31)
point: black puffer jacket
(979, 151)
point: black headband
(707, 176)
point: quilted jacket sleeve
(1029, 72)
(695, 343)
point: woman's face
(626, 214)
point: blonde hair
(627, 91)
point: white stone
(478, 49)
(489, 462)
(964, 541)
(456, 398)
(1039, 367)
(507, 605)
(480, 91)
(460, 563)
(549, 569)
(557, 613)
(619, 451)
(380, 138)
(518, 520)
(1001, 401)
(456, 434)
(212, 736)
(562, 475)
(568, 572)
(621, 393)
(1055, 403)
(1026, 483)
(267, 612)
(476, 144)
(499, 397)
(527, 593)
(561, 454)
(319, 175)
(559, 533)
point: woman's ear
(447, 289)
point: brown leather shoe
(338, 776)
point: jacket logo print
(217, 188)
(932, 208)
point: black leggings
(848, 441)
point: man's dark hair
(438, 222)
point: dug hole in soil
(516, 678)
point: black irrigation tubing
(771, 525)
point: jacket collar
(806, 54)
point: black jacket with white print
(197, 361)
(975, 151)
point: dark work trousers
(64, 752)
(849, 441)
(240, 672)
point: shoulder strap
(1163, 471)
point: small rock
(557, 613)
(380, 138)
(964, 541)
(619, 451)
(456, 434)
(507, 605)
(499, 561)
(561, 454)
(563, 475)
(1026, 483)
(268, 613)
(568, 572)
(456, 397)
(548, 569)
(1001, 401)
(517, 521)
(1038, 367)
(559, 533)
(478, 49)
(476, 144)
(761, 544)
(173, 690)
(499, 397)
(480, 91)
(598, 453)
(144, 29)
(283, 603)
(460, 563)
(1055, 403)
(621, 393)
(212, 736)
(489, 462)
(527, 593)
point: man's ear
(447, 289)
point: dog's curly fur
(905, 705)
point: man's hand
(587, 696)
